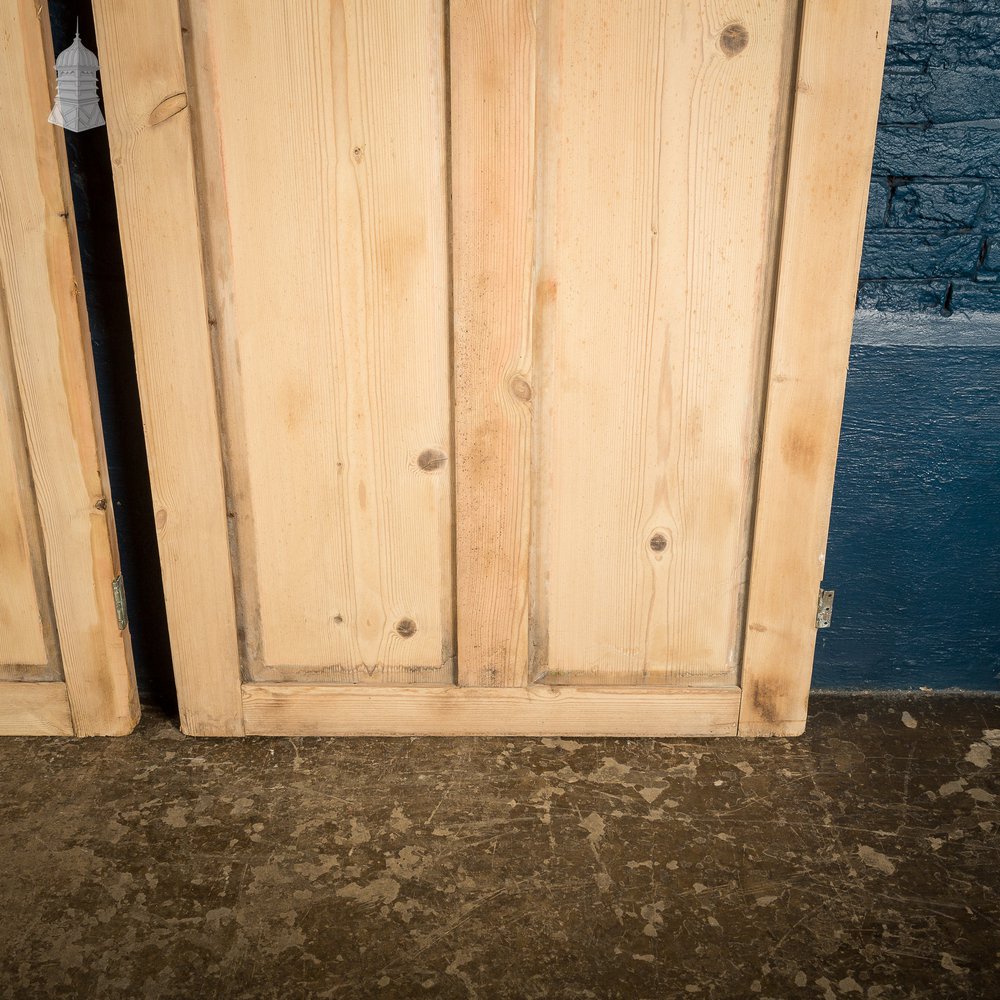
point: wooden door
(492, 353)
(64, 663)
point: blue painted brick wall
(914, 547)
(934, 211)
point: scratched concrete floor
(861, 859)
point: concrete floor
(860, 860)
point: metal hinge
(118, 587)
(824, 609)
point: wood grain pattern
(35, 709)
(324, 181)
(618, 180)
(50, 350)
(493, 66)
(143, 66)
(23, 652)
(661, 132)
(839, 79)
(537, 710)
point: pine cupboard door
(492, 353)
(64, 664)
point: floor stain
(858, 860)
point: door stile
(841, 54)
(149, 129)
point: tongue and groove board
(492, 352)
(64, 665)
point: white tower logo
(76, 107)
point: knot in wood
(406, 627)
(734, 38)
(432, 459)
(521, 389)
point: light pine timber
(493, 67)
(662, 131)
(648, 353)
(145, 93)
(35, 708)
(836, 104)
(537, 710)
(23, 652)
(325, 210)
(50, 353)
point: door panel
(25, 615)
(64, 663)
(663, 130)
(532, 254)
(327, 243)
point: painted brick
(948, 205)
(958, 38)
(908, 37)
(908, 29)
(989, 266)
(889, 254)
(942, 151)
(966, 7)
(975, 297)
(906, 91)
(878, 204)
(902, 296)
(905, 61)
(934, 206)
(990, 215)
(940, 296)
(946, 95)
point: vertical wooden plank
(149, 130)
(324, 182)
(842, 49)
(493, 169)
(50, 350)
(662, 131)
(106, 501)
